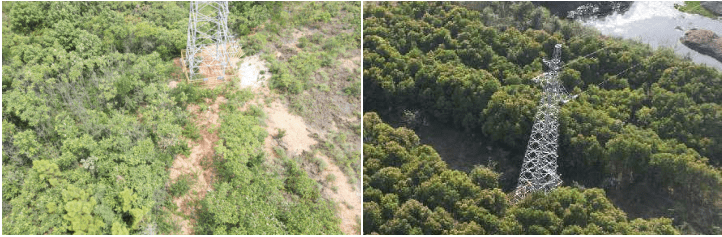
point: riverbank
(658, 24)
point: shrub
(181, 186)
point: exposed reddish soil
(197, 163)
(201, 154)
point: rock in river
(703, 41)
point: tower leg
(208, 36)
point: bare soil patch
(351, 63)
(211, 68)
(295, 142)
(252, 72)
(196, 164)
(297, 137)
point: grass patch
(354, 90)
(344, 154)
(694, 7)
(203, 107)
(291, 74)
(322, 165)
(330, 178)
(280, 152)
(181, 185)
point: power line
(543, 74)
(585, 56)
(610, 77)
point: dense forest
(76, 78)
(641, 140)
(91, 127)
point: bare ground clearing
(295, 142)
(298, 138)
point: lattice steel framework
(208, 40)
(539, 170)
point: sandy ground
(297, 140)
(249, 72)
(297, 137)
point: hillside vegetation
(648, 137)
(409, 190)
(278, 192)
(91, 127)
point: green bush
(190, 130)
(330, 178)
(286, 83)
(299, 183)
(280, 133)
(180, 186)
(353, 90)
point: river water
(657, 24)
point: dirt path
(250, 70)
(201, 154)
(348, 199)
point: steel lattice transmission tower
(539, 170)
(208, 39)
